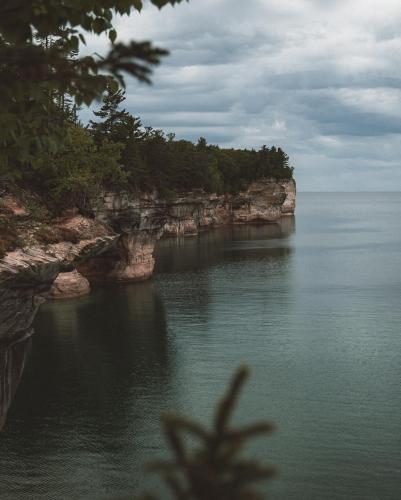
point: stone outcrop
(27, 275)
(139, 220)
(194, 212)
(12, 364)
(117, 243)
(289, 203)
(69, 285)
(142, 219)
(263, 202)
(24, 275)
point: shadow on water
(195, 253)
(93, 361)
(12, 364)
(82, 340)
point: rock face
(69, 285)
(26, 276)
(264, 201)
(136, 260)
(142, 219)
(12, 363)
(117, 243)
(288, 206)
(139, 220)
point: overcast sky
(320, 78)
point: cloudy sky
(320, 78)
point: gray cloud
(321, 78)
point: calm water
(314, 306)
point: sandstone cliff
(27, 274)
(117, 243)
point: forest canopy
(116, 152)
(43, 81)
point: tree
(153, 160)
(213, 468)
(115, 125)
(31, 72)
(201, 143)
(77, 172)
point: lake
(313, 305)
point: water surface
(313, 305)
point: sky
(320, 78)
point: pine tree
(116, 125)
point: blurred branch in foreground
(214, 470)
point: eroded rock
(69, 285)
(26, 276)
(117, 244)
(12, 364)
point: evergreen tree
(30, 72)
(116, 125)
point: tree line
(45, 147)
(116, 152)
(152, 159)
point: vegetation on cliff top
(151, 159)
(44, 77)
(116, 152)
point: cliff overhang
(117, 243)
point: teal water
(312, 305)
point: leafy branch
(31, 73)
(214, 470)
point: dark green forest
(115, 151)
(44, 147)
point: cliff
(116, 244)
(12, 363)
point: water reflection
(12, 364)
(207, 249)
(188, 270)
(81, 341)
(93, 363)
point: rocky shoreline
(117, 243)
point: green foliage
(215, 469)
(42, 81)
(78, 171)
(154, 160)
(32, 74)
(116, 152)
(116, 125)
